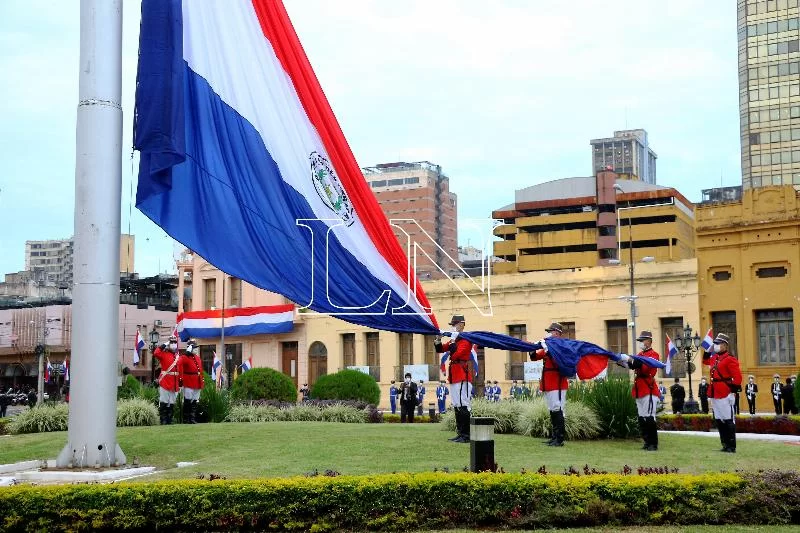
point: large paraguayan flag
(242, 160)
(238, 322)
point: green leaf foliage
(41, 418)
(429, 501)
(130, 388)
(214, 405)
(136, 412)
(347, 385)
(264, 384)
(613, 404)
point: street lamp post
(690, 344)
(40, 350)
(154, 336)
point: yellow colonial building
(748, 254)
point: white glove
(454, 335)
(624, 358)
(544, 345)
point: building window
(317, 362)
(725, 322)
(617, 341)
(672, 326)
(406, 349)
(771, 272)
(210, 286)
(722, 275)
(431, 357)
(775, 337)
(515, 368)
(236, 292)
(207, 357)
(373, 350)
(379, 183)
(411, 181)
(348, 349)
(396, 181)
(569, 330)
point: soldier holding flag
(726, 380)
(191, 374)
(460, 353)
(645, 391)
(554, 386)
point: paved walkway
(745, 436)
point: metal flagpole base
(691, 407)
(77, 457)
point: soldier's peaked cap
(456, 319)
(555, 326)
(645, 335)
(721, 337)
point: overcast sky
(503, 94)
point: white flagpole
(92, 439)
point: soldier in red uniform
(460, 375)
(726, 381)
(710, 359)
(554, 386)
(191, 373)
(645, 391)
(168, 383)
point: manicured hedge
(429, 501)
(778, 425)
(418, 419)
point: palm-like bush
(214, 404)
(42, 418)
(130, 388)
(136, 412)
(613, 404)
(580, 421)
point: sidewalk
(794, 439)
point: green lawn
(294, 448)
(659, 529)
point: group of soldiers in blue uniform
(491, 392)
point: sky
(502, 94)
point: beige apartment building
(50, 261)
(419, 192)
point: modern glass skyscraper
(769, 91)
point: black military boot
(463, 430)
(170, 409)
(643, 431)
(162, 413)
(559, 431)
(553, 423)
(458, 416)
(187, 411)
(731, 434)
(652, 431)
(722, 428)
(193, 417)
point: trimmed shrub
(40, 419)
(254, 413)
(214, 404)
(611, 401)
(136, 412)
(264, 384)
(580, 421)
(347, 385)
(777, 425)
(4, 422)
(342, 413)
(430, 501)
(303, 413)
(424, 419)
(130, 388)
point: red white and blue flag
(138, 346)
(247, 364)
(672, 351)
(216, 370)
(231, 120)
(66, 370)
(708, 340)
(238, 322)
(48, 370)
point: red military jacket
(644, 383)
(191, 370)
(551, 377)
(724, 372)
(460, 357)
(168, 379)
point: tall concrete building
(50, 261)
(582, 222)
(627, 153)
(420, 191)
(769, 92)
